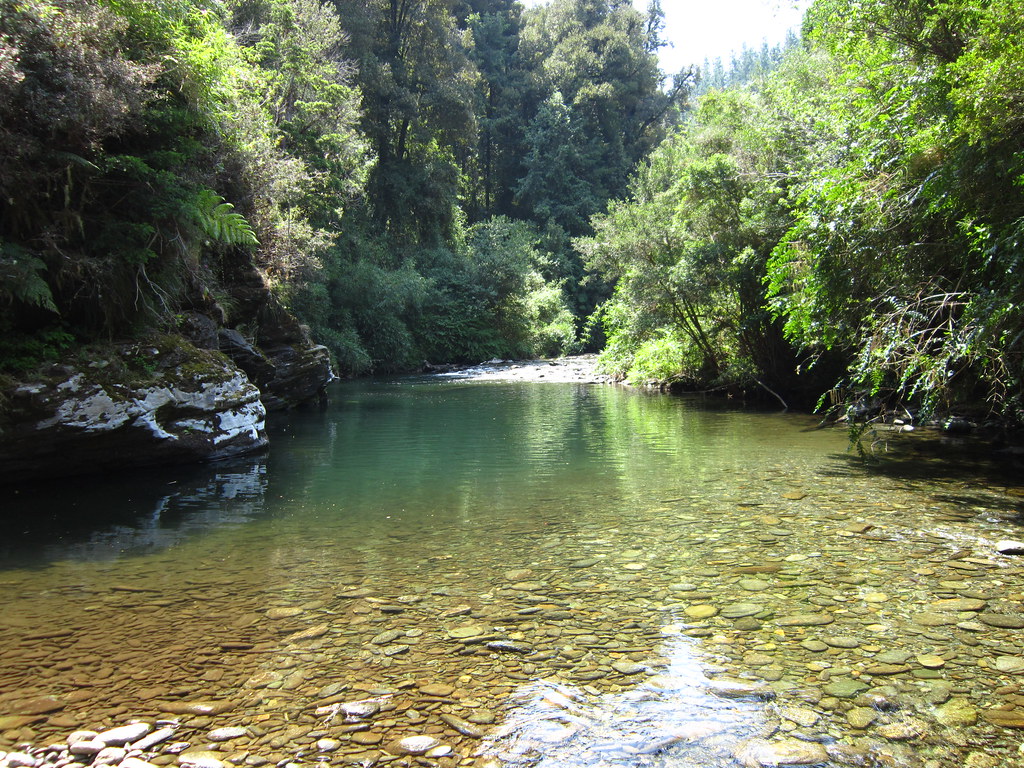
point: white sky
(715, 28)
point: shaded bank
(197, 393)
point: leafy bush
(663, 358)
(904, 254)
(491, 301)
(552, 325)
(21, 352)
(688, 249)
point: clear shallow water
(630, 554)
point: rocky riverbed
(577, 369)
(770, 613)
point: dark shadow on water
(109, 516)
(965, 472)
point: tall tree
(503, 95)
(307, 82)
(601, 56)
(905, 252)
(417, 83)
(688, 251)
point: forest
(438, 181)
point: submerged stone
(741, 610)
(413, 745)
(227, 733)
(739, 689)
(38, 706)
(318, 630)
(194, 707)
(507, 646)
(814, 646)
(461, 633)
(359, 709)
(1013, 665)
(201, 758)
(845, 688)
(283, 612)
(843, 642)
(437, 689)
(959, 604)
(754, 585)
(861, 717)
(956, 713)
(700, 611)
(1001, 620)
(903, 730)
(124, 734)
(800, 715)
(755, 753)
(1013, 718)
(463, 727)
(805, 620)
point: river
(444, 572)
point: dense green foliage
(141, 145)
(905, 251)
(454, 180)
(689, 249)
(864, 198)
(389, 165)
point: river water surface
(446, 572)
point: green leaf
(219, 220)
(20, 278)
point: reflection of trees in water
(147, 512)
(462, 445)
(433, 463)
(416, 456)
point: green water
(459, 453)
(628, 553)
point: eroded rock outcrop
(169, 402)
(277, 353)
(197, 394)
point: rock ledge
(161, 404)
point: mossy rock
(154, 402)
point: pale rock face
(204, 408)
(232, 409)
(227, 411)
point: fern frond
(20, 278)
(72, 159)
(219, 220)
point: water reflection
(685, 715)
(473, 449)
(96, 519)
(415, 454)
